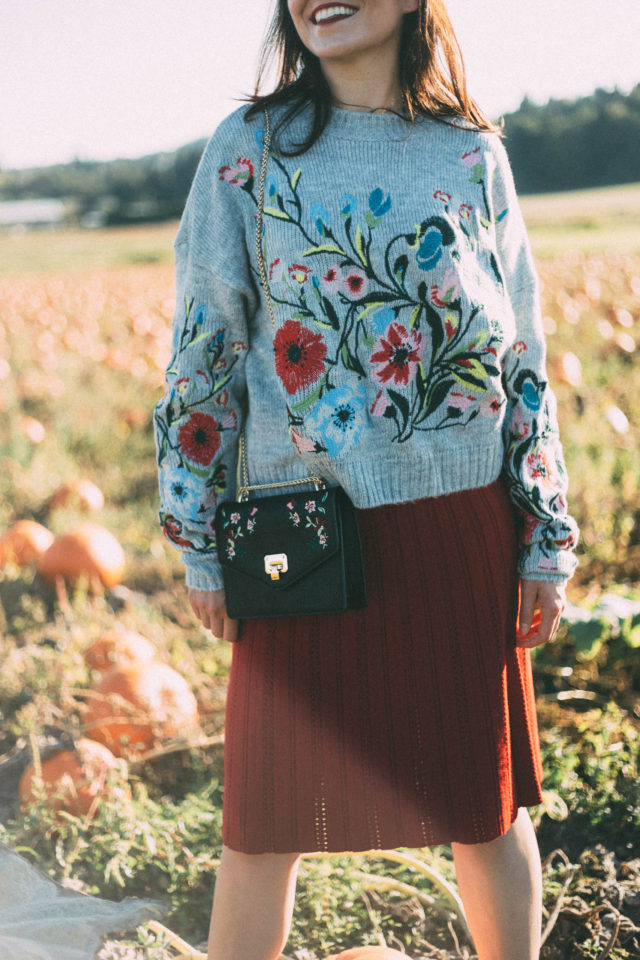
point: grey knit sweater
(408, 359)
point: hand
(541, 605)
(209, 607)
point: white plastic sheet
(41, 920)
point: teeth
(327, 12)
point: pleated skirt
(407, 724)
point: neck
(368, 83)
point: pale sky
(100, 79)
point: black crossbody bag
(291, 553)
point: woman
(408, 367)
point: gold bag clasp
(275, 564)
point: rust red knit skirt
(407, 724)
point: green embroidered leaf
(469, 381)
(295, 178)
(400, 267)
(172, 370)
(323, 248)
(415, 313)
(485, 222)
(368, 309)
(274, 212)
(219, 384)
(360, 246)
(369, 341)
(299, 316)
(198, 339)
(370, 220)
(303, 405)
(435, 398)
(202, 472)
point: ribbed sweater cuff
(202, 574)
(532, 567)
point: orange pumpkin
(23, 542)
(133, 707)
(74, 778)
(119, 646)
(369, 953)
(84, 493)
(87, 550)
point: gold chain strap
(243, 490)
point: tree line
(561, 145)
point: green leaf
(274, 212)
(630, 631)
(402, 404)
(359, 241)
(303, 405)
(202, 472)
(295, 178)
(415, 313)
(588, 636)
(485, 222)
(371, 221)
(323, 248)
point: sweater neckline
(365, 125)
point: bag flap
(304, 527)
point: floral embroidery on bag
(233, 532)
(315, 518)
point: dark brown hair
(432, 74)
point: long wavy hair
(432, 74)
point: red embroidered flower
(199, 438)
(398, 355)
(172, 528)
(332, 280)
(355, 284)
(519, 346)
(299, 273)
(300, 356)
(272, 267)
(464, 210)
(237, 175)
(441, 195)
(530, 525)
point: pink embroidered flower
(379, 405)
(472, 158)
(290, 505)
(299, 273)
(238, 175)
(465, 210)
(355, 284)
(332, 280)
(447, 290)
(310, 506)
(519, 426)
(490, 405)
(235, 518)
(222, 399)
(441, 195)
(250, 524)
(519, 346)
(230, 420)
(540, 469)
(254, 510)
(460, 401)
(398, 355)
(302, 445)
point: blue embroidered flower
(201, 314)
(378, 203)
(348, 205)
(340, 417)
(177, 493)
(271, 187)
(381, 320)
(259, 135)
(217, 340)
(430, 250)
(530, 395)
(321, 218)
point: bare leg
(252, 905)
(501, 888)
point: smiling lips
(331, 13)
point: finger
(531, 637)
(230, 630)
(528, 595)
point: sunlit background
(98, 79)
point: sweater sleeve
(533, 466)
(198, 420)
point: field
(84, 339)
